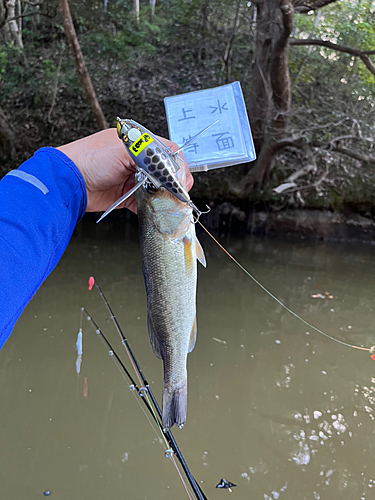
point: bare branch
(331, 45)
(351, 137)
(33, 4)
(348, 152)
(304, 6)
(300, 143)
(82, 71)
(55, 89)
(310, 166)
(363, 55)
(315, 185)
(228, 49)
(28, 14)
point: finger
(189, 177)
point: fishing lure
(155, 161)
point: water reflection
(273, 407)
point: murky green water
(277, 409)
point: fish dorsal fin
(193, 335)
(153, 338)
(200, 253)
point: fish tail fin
(174, 405)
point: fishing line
(164, 443)
(371, 350)
(152, 425)
(179, 473)
(113, 353)
(124, 342)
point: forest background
(305, 69)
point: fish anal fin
(153, 338)
(193, 335)
(200, 253)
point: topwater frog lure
(155, 161)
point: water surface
(273, 406)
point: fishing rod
(112, 352)
(144, 391)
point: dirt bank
(292, 223)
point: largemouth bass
(170, 251)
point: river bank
(227, 218)
(294, 223)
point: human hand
(107, 169)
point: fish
(170, 250)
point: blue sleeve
(40, 205)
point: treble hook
(199, 212)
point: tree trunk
(10, 26)
(270, 98)
(271, 88)
(152, 5)
(227, 58)
(11, 31)
(84, 76)
(7, 135)
(136, 8)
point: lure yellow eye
(118, 126)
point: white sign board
(226, 143)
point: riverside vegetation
(305, 68)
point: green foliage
(3, 63)
(345, 23)
(49, 69)
(123, 45)
(12, 74)
(182, 48)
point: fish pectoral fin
(193, 335)
(153, 338)
(200, 253)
